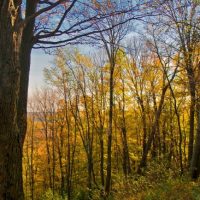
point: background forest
(122, 122)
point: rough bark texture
(11, 146)
(15, 49)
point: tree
(181, 22)
(195, 167)
(162, 64)
(19, 33)
(29, 150)
(111, 40)
(120, 111)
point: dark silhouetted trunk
(10, 138)
(102, 161)
(143, 161)
(109, 147)
(192, 86)
(195, 164)
(126, 157)
(179, 129)
(14, 45)
(15, 50)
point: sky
(39, 60)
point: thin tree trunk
(109, 147)
(195, 164)
(143, 161)
(48, 155)
(102, 159)
(179, 126)
(191, 122)
(31, 157)
(127, 165)
(53, 153)
(60, 158)
(180, 132)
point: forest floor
(157, 183)
(177, 189)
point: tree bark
(143, 161)
(109, 147)
(10, 138)
(192, 87)
(195, 164)
(15, 49)
(126, 157)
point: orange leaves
(103, 6)
(96, 4)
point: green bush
(88, 194)
(48, 195)
(174, 190)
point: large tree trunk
(14, 71)
(11, 145)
